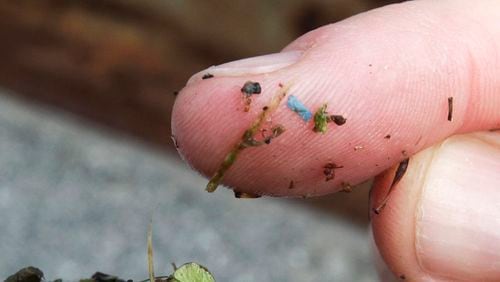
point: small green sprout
(321, 119)
(189, 272)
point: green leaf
(192, 272)
(321, 119)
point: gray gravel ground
(75, 199)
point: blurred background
(86, 91)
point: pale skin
(389, 71)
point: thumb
(442, 223)
(389, 72)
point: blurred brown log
(118, 61)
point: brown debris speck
(338, 119)
(329, 171)
(346, 187)
(400, 172)
(450, 108)
(357, 148)
(207, 76)
(176, 93)
(243, 195)
(402, 277)
(175, 141)
(291, 185)
(275, 132)
(388, 136)
(248, 102)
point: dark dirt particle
(291, 185)
(243, 195)
(450, 108)
(275, 132)
(402, 277)
(265, 108)
(388, 136)
(175, 141)
(250, 88)
(329, 171)
(176, 93)
(400, 172)
(338, 119)
(207, 76)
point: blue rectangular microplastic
(295, 105)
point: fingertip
(392, 86)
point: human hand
(390, 72)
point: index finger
(390, 72)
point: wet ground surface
(76, 199)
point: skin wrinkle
(486, 142)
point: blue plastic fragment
(295, 105)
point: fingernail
(255, 65)
(458, 219)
